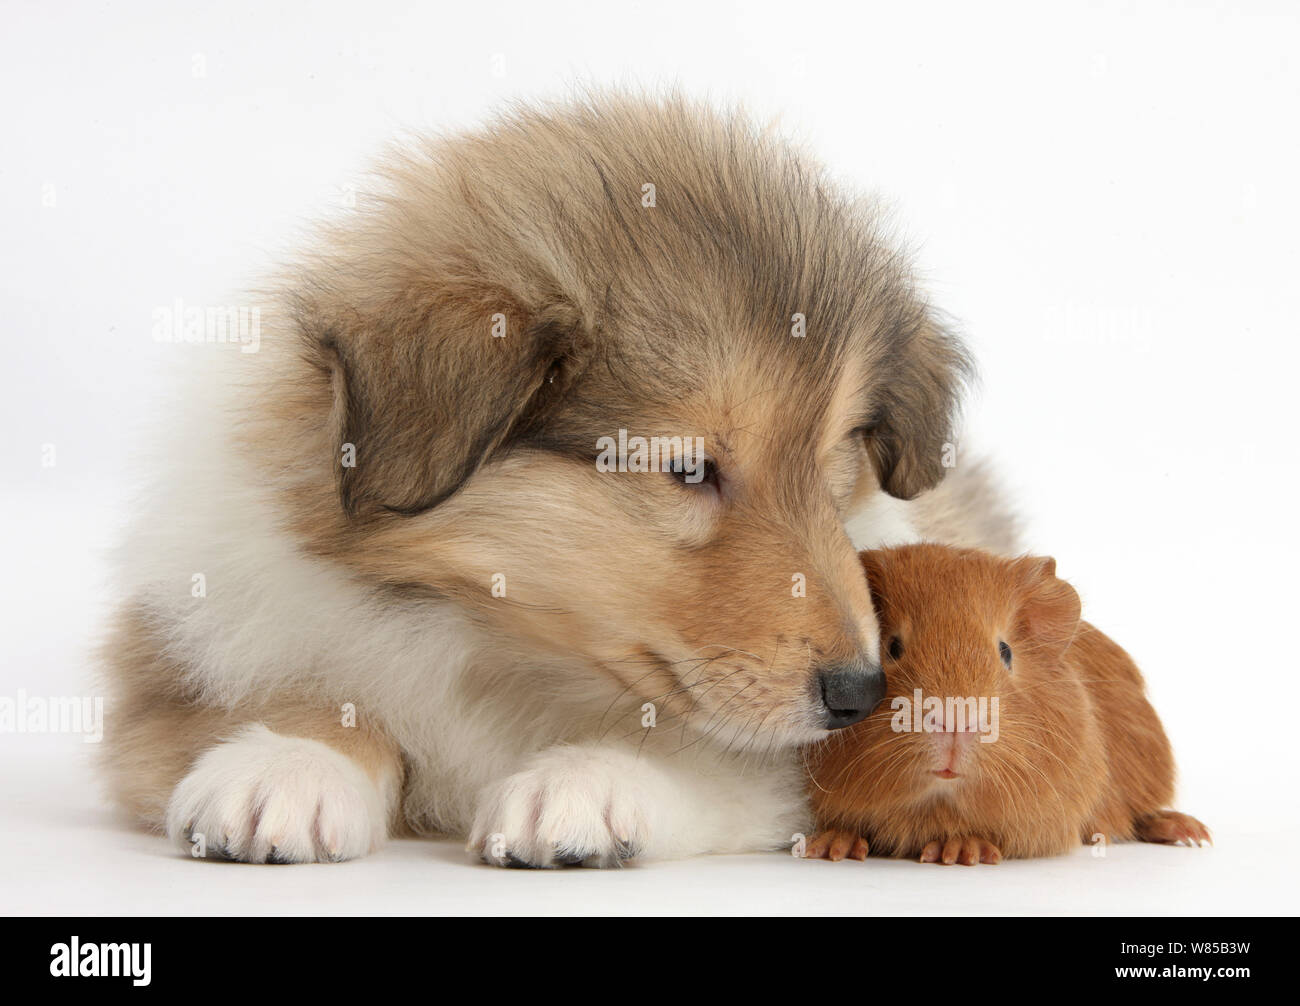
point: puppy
(411, 566)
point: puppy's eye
(895, 648)
(1004, 651)
(699, 473)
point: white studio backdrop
(1101, 195)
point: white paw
(262, 797)
(572, 806)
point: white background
(1103, 195)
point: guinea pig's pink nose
(951, 745)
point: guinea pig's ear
(1049, 609)
(923, 373)
(873, 563)
(426, 393)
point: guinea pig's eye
(895, 648)
(702, 472)
(1004, 651)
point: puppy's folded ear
(425, 394)
(1049, 608)
(921, 380)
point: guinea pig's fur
(1076, 752)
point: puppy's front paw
(966, 851)
(263, 797)
(573, 806)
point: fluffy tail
(969, 509)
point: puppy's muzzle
(849, 692)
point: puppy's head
(614, 376)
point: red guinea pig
(1010, 727)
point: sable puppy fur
(426, 608)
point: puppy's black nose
(849, 692)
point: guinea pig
(1010, 727)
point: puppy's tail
(969, 509)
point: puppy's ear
(1049, 607)
(425, 394)
(916, 404)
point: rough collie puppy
(411, 565)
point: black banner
(247, 955)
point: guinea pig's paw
(1169, 827)
(261, 797)
(572, 807)
(966, 851)
(834, 844)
